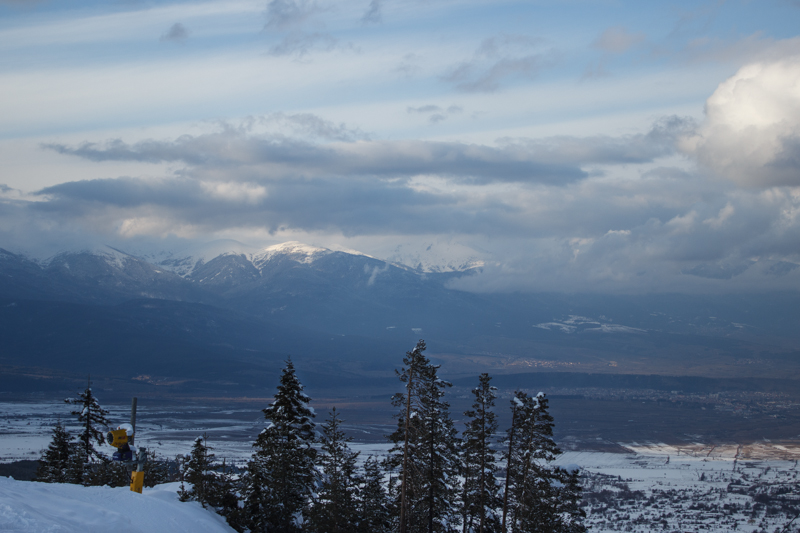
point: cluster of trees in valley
(306, 478)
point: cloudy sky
(601, 145)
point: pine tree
(440, 456)
(158, 470)
(535, 498)
(198, 471)
(106, 473)
(91, 416)
(373, 502)
(480, 499)
(570, 515)
(403, 455)
(335, 509)
(225, 497)
(281, 475)
(257, 500)
(425, 449)
(61, 462)
(209, 483)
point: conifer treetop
(291, 404)
(92, 417)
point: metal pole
(137, 476)
(133, 419)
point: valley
(213, 328)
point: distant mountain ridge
(185, 262)
(348, 292)
(222, 316)
(290, 282)
(100, 275)
(230, 306)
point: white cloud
(752, 130)
(246, 193)
(724, 214)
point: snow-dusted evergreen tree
(94, 423)
(569, 514)
(425, 450)
(280, 476)
(404, 455)
(255, 505)
(554, 506)
(441, 455)
(207, 484)
(373, 502)
(61, 462)
(106, 473)
(198, 471)
(158, 470)
(509, 454)
(224, 496)
(532, 498)
(481, 492)
(335, 509)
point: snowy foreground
(657, 487)
(44, 507)
(653, 487)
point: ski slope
(49, 507)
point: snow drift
(39, 507)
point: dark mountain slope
(351, 309)
(173, 343)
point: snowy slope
(296, 251)
(436, 255)
(111, 256)
(41, 507)
(186, 262)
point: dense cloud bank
(683, 206)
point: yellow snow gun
(117, 437)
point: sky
(575, 145)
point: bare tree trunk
(483, 465)
(432, 477)
(508, 465)
(525, 470)
(464, 498)
(404, 482)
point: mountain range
(224, 317)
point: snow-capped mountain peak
(437, 256)
(294, 250)
(188, 262)
(229, 263)
(111, 256)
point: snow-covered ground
(692, 487)
(43, 507)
